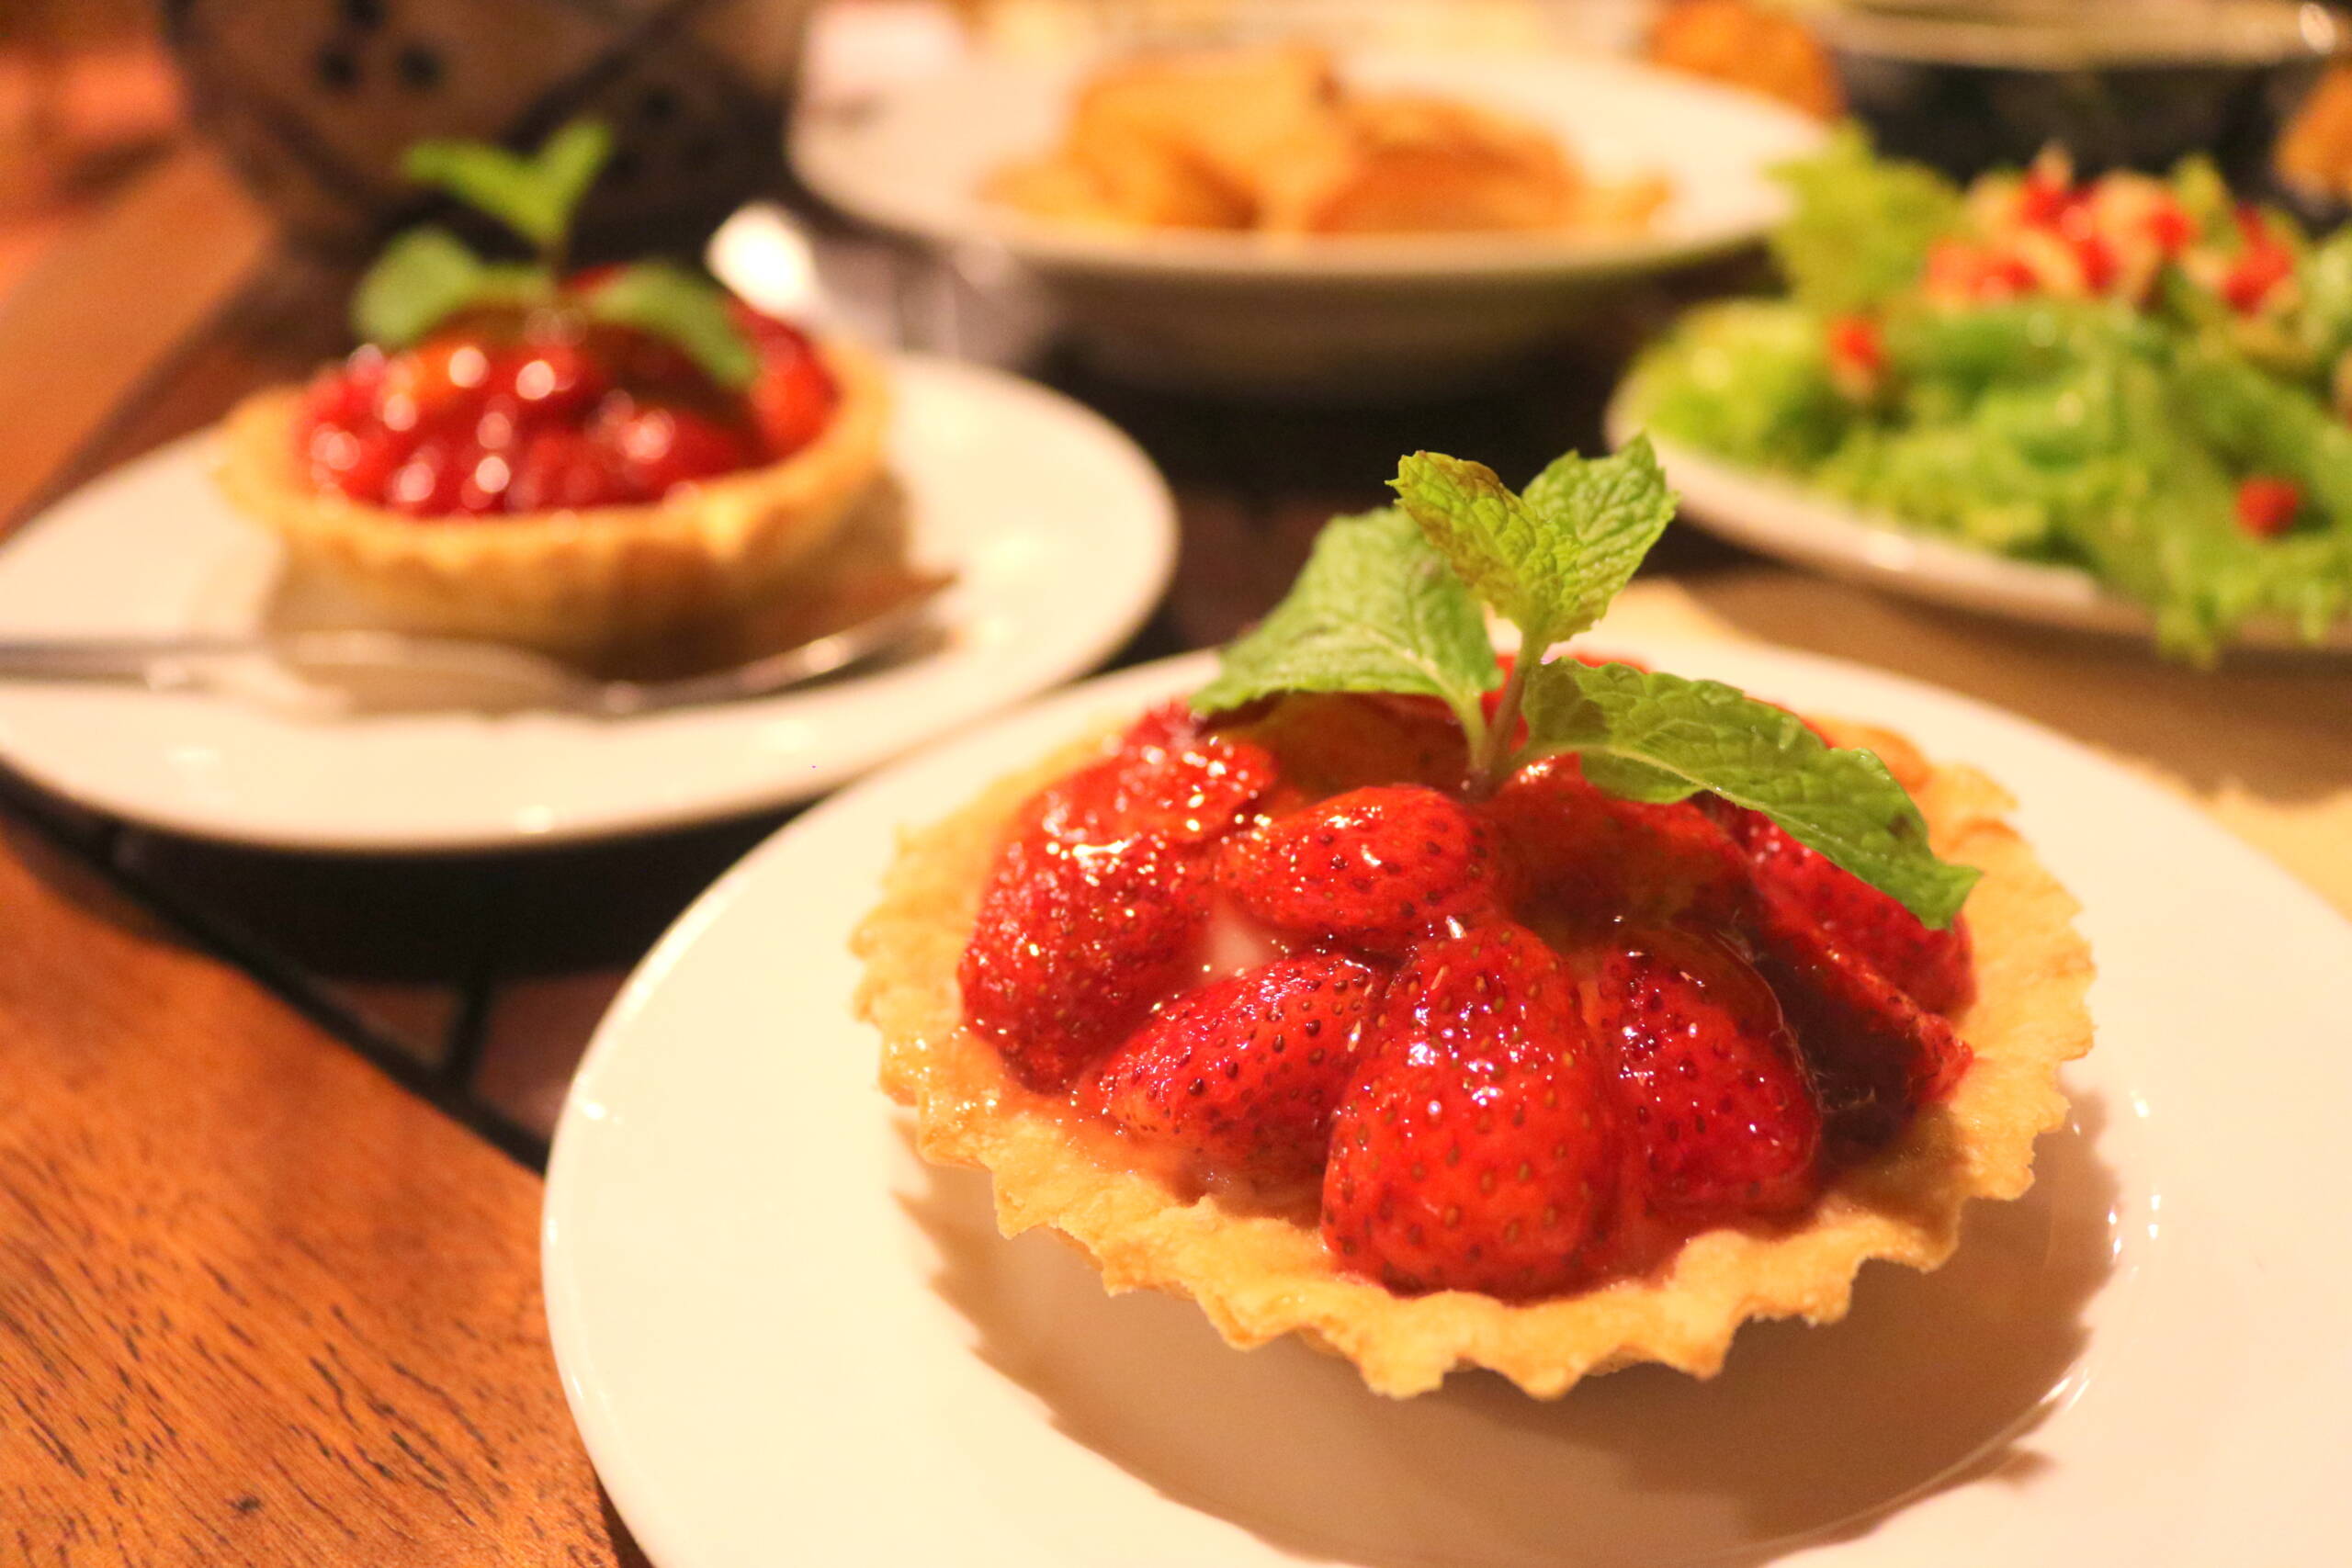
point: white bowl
(1369, 315)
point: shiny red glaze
(793, 397)
(1479, 1148)
(1244, 1071)
(1600, 1025)
(1708, 1070)
(1934, 968)
(562, 469)
(659, 446)
(1374, 868)
(1075, 943)
(503, 411)
(429, 480)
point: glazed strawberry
(1376, 867)
(1873, 1055)
(1598, 856)
(793, 396)
(1716, 1098)
(554, 378)
(1933, 968)
(660, 446)
(1477, 1149)
(1169, 775)
(569, 411)
(1324, 743)
(556, 469)
(1244, 1071)
(1180, 778)
(1074, 944)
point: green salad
(2142, 377)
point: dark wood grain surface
(258, 1302)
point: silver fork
(382, 669)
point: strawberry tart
(572, 459)
(1549, 1028)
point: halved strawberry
(1477, 1149)
(1707, 1071)
(1170, 776)
(1874, 1055)
(1935, 968)
(1075, 942)
(1327, 742)
(1246, 1070)
(1376, 867)
(1597, 854)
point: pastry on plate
(1271, 139)
(573, 460)
(1548, 1028)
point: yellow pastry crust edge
(575, 580)
(1259, 1277)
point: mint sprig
(1376, 609)
(534, 194)
(1389, 603)
(1549, 561)
(427, 274)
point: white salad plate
(1780, 517)
(1059, 531)
(788, 1340)
(1366, 315)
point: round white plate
(1780, 517)
(1270, 312)
(1060, 531)
(786, 1340)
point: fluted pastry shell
(1259, 1276)
(571, 581)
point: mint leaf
(427, 274)
(421, 278)
(1660, 738)
(688, 310)
(1615, 508)
(1550, 560)
(1375, 609)
(534, 196)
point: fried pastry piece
(1408, 162)
(1269, 139)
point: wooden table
(271, 1124)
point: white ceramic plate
(1060, 531)
(786, 1340)
(1274, 312)
(1779, 517)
